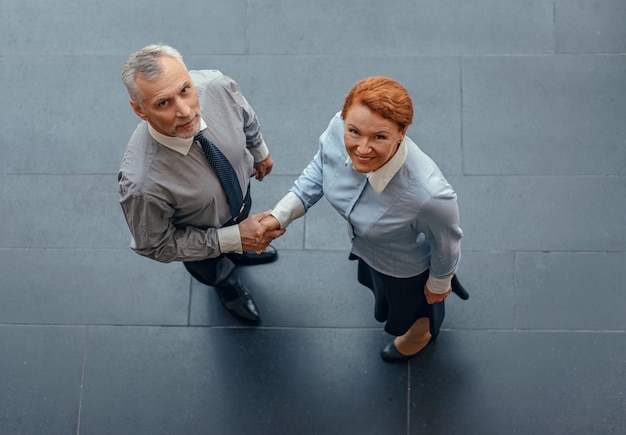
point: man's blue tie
(225, 172)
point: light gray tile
(67, 286)
(544, 115)
(404, 27)
(61, 211)
(579, 291)
(590, 26)
(119, 27)
(40, 379)
(542, 213)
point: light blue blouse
(410, 226)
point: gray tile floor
(521, 102)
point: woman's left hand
(433, 298)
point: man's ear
(138, 110)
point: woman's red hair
(383, 96)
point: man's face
(170, 102)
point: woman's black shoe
(391, 354)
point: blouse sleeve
(440, 225)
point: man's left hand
(264, 167)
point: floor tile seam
(543, 251)
(464, 174)
(418, 55)
(537, 330)
(339, 55)
(180, 325)
(82, 381)
(538, 176)
(64, 248)
(515, 267)
(312, 250)
(546, 54)
(59, 174)
(307, 328)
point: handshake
(258, 230)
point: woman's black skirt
(400, 301)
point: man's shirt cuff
(260, 153)
(230, 239)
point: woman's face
(370, 139)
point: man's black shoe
(238, 302)
(251, 258)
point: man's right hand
(256, 236)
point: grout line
(312, 328)
(246, 38)
(461, 121)
(516, 324)
(408, 400)
(82, 381)
(189, 301)
(554, 28)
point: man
(176, 203)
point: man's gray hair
(145, 63)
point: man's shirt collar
(178, 144)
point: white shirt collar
(380, 178)
(178, 144)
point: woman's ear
(403, 133)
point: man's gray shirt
(172, 200)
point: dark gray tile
(62, 211)
(542, 213)
(571, 291)
(489, 279)
(544, 115)
(294, 116)
(233, 381)
(70, 113)
(520, 382)
(409, 27)
(119, 26)
(583, 26)
(310, 289)
(295, 109)
(534, 149)
(85, 286)
(40, 379)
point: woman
(402, 213)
